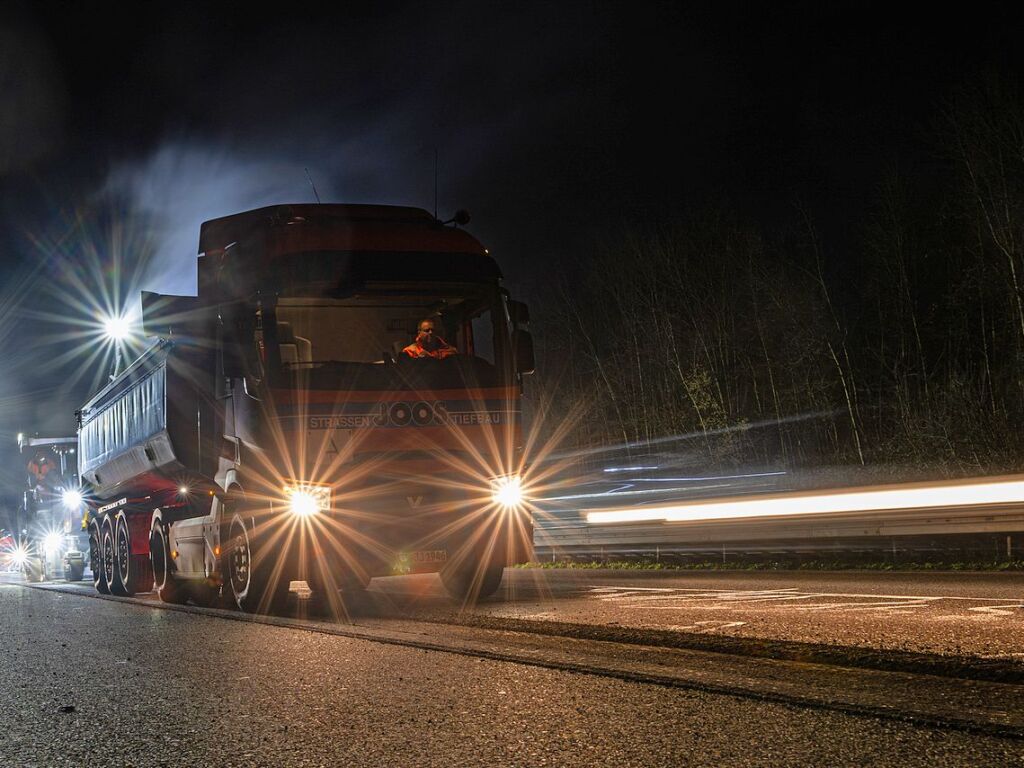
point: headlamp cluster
(307, 500)
(507, 491)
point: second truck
(292, 424)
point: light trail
(625, 489)
(682, 438)
(908, 497)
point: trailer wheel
(110, 570)
(250, 577)
(99, 579)
(169, 589)
(134, 571)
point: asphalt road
(978, 615)
(972, 614)
(159, 687)
(975, 614)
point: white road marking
(998, 610)
(682, 592)
(655, 598)
(881, 604)
(707, 626)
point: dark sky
(124, 125)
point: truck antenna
(315, 193)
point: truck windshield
(354, 333)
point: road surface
(151, 686)
(973, 614)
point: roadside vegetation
(897, 338)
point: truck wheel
(169, 589)
(471, 582)
(110, 570)
(133, 571)
(326, 586)
(34, 571)
(249, 577)
(75, 572)
(99, 579)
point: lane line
(688, 594)
(713, 593)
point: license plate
(428, 556)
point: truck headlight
(507, 492)
(52, 542)
(307, 500)
(72, 499)
(18, 557)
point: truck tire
(99, 580)
(75, 572)
(252, 580)
(337, 591)
(168, 588)
(133, 571)
(472, 582)
(35, 570)
(110, 570)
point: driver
(429, 343)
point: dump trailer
(342, 400)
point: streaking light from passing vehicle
(809, 503)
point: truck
(48, 518)
(286, 432)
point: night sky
(551, 122)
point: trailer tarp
(126, 420)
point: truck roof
(361, 227)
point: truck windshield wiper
(334, 363)
(311, 363)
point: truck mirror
(519, 313)
(522, 345)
